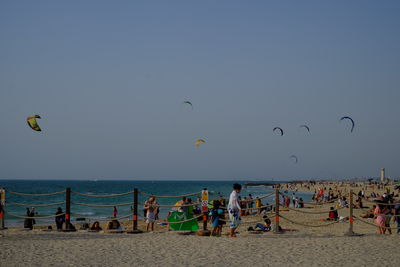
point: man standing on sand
(234, 209)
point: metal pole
(2, 207)
(135, 208)
(276, 230)
(68, 209)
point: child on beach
(150, 218)
(215, 216)
(115, 212)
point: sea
(109, 187)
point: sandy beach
(38, 248)
(310, 241)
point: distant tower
(382, 175)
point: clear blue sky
(108, 79)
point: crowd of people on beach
(384, 211)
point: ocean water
(163, 188)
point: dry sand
(307, 246)
(38, 248)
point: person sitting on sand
(266, 227)
(301, 203)
(333, 215)
(114, 225)
(60, 219)
(28, 222)
(96, 227)
(359, 203)
(369, 213)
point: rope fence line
(76, 215)
(366, 222)
(35, 217)
(110, 195)
(35, 205)
(35, 195)
(187, 220)
(134, 215)
(266, 196)
(265, 206)
(311, 212)
(172, 206)
(312, 203)
(180, 196)
(383, 204)
(307, 225)
(102, 205)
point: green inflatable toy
(177, 216)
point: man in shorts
(234, 209)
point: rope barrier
(180, 196)
(311, 212)
(102, 205)
(101, 219)
(383, 204)
(312, 203)
(111, 195)
(35, 205)
(187, 220)
(173, 206)
(265, 206)
(320, 203)
(35, 195)
(307, 225)
(364, 221)
(36, 217)
(267, 195)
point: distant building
(382, 175)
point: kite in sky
(31, 120)
(351, 120)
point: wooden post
(2, 207)
(351, 219)
(135, 208)
(276, 230)
(68, 209)
(135, 229)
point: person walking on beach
(234, 209)
(115, 212)
(151, 218)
